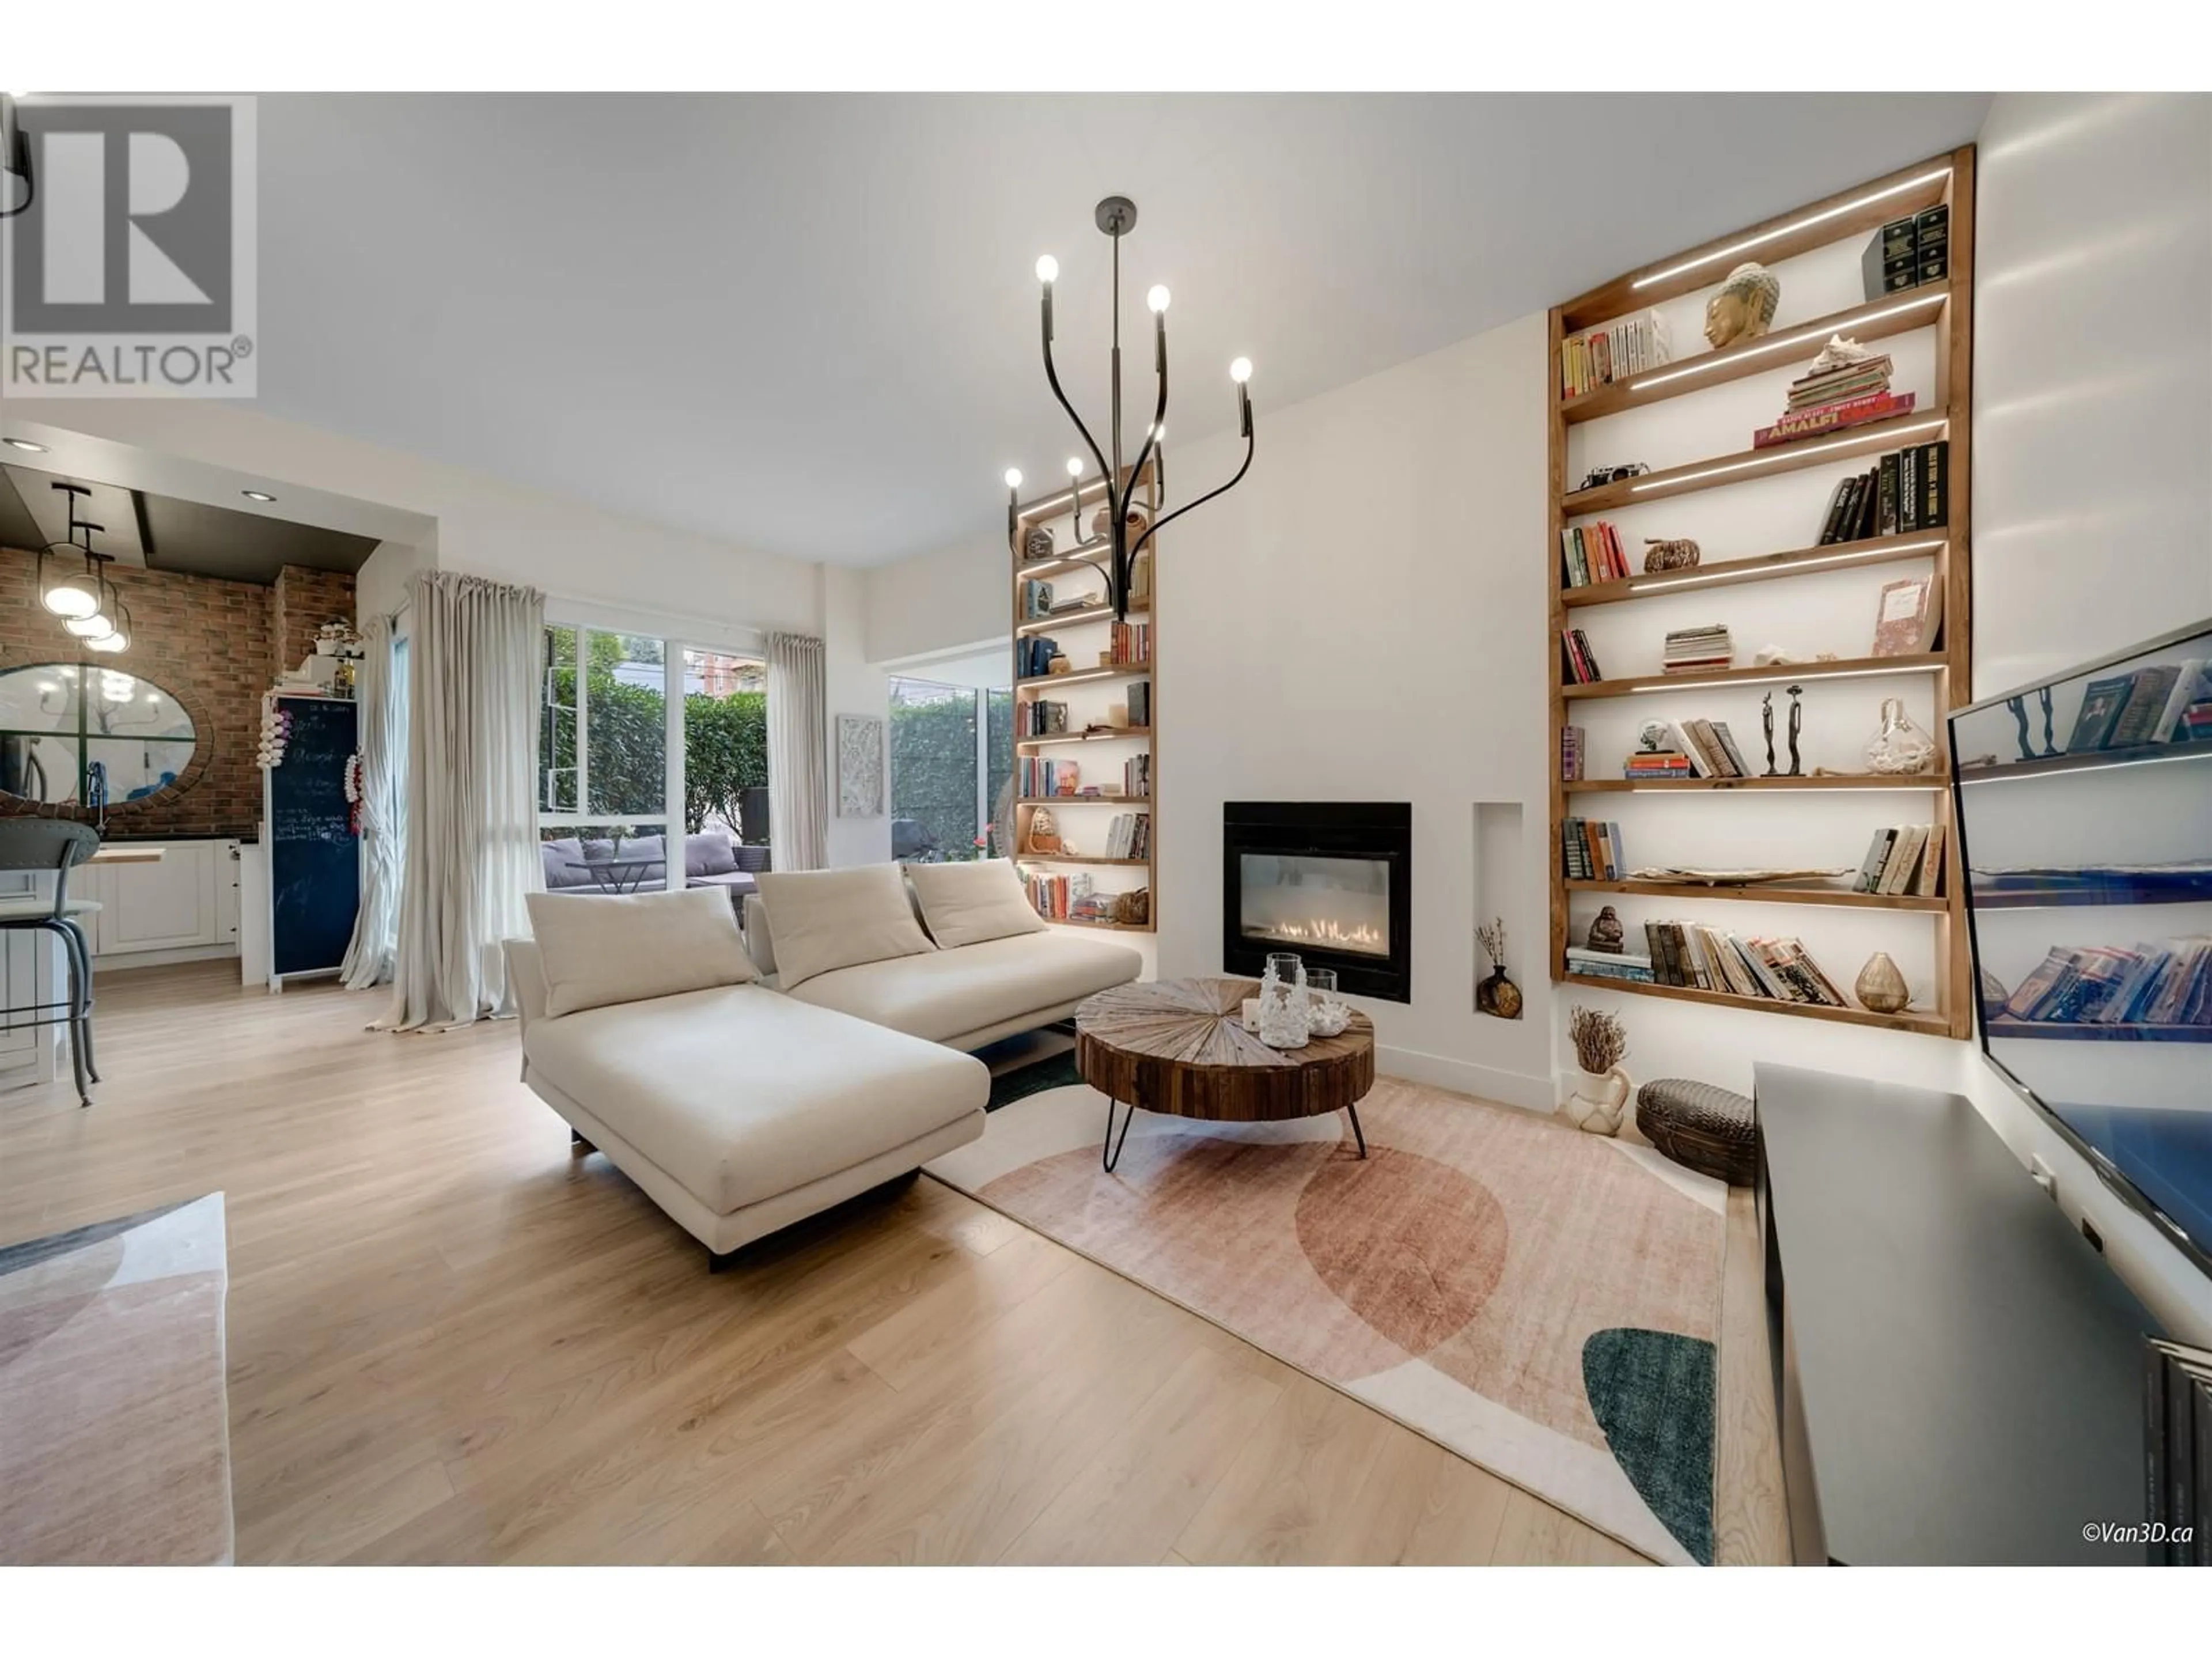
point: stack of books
(1137, 777)
(1581, 660)
(1844, 371)
(1056, 897)
(1654, 763)
(2163, 982)
(1130, 836)
(2170, 703)
(1905, 491)
(1041, 719)
(1599, 357)
(1698, 650)
(1703, 958)
(1609, 964)
(2178, 1452)
(1040, 777)
(1593, 553)
(1570, 754)
(1592, 849)
(1712, 749)
(1131, 644)
(1907, 858)
(1033, 656)
(1828, 417)
(1141, 702)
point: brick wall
(300, 602)
(208, 643)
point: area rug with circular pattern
(1542, 1302)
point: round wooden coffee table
(1179, 1046)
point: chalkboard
(314, 858)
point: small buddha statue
(1605, 932)
(1744, 307)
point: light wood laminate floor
(452, 1341)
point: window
(951, 752)
(640, 738)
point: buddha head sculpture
(1744, 307)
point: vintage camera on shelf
(1600, 475)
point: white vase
(1599, 1101)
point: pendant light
(117, 638)
(63, 592)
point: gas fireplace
(1331, 880)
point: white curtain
(798, 754)
(369, 957)
(476, 657)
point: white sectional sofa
(742, 1104)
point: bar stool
(37, 846)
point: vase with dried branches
(1497, 995)
(1601, 1095)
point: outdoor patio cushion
(708, 853)
(968, 903)
(596, 949)
(825, 920)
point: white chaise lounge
(738, 1109)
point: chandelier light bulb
(1241, 370)
(1047, 269)
(1075, 466)
(119, 640)
(71, 597)
(1157, 298)
(1013, 477)
(94, 627)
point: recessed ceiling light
(25, 444)
(256, 495)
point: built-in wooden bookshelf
(1943, 307)
(1085, 633)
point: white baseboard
(1533, 1093)
(123, 961)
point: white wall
(852, 686)
(380, 586)
(1362, 619)
(2092, 411)
(956, 597)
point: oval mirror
(72, 734)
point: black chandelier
(15, 158)
(1116, 215)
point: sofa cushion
(740, 1094)
(968, 903)
(597, 948)
(951, 992)
(825, 920)
(708, 854)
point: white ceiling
(808, 323)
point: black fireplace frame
(1381, 830)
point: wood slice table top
(1180, 1046)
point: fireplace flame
(1323, 930)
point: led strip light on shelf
(1657, 585)
(1785, 451)
(1717, 359)
(1806, 223)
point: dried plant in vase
(1497, 995)
(1601, 1095)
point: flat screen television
(2084, 814)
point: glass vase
(1327, 1011)
(1900, 748)
(1283, 1002)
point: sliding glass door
(647, 745)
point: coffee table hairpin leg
(1111, 1153)
(1352, 1112)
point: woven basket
(1701, 1128)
